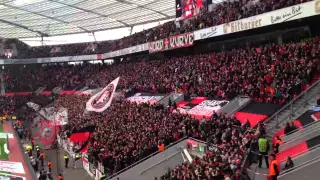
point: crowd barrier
(95, 172)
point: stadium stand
(270, 74)
(225, 12)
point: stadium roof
(37, 18)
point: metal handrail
(300, 135)
(297, 130)
(290, 103)
(300, 166)
(303, 135)
(302, 152)
(150, 167)
(145, 158)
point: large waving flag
(102, 100)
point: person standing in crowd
(41, 157)
(33, 164)
(289, 164)
(274, 168)
(290, 127)
(49, 166)
(263, 146)
(66, 160)
(239, 176)
(60, 177)
(276, 145)
(38, 151)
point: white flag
(34, 106)
(102, 100)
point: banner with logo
(47, 132)
(274, 17)
(172, 42)
(145, 98)
(200, 107)
(130, 50)
(102, 100)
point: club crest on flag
(102, 100)
(47, 132)
(104, 97)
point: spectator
(290, 127)
(289, 164)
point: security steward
(161, 147)
(29, 150)
(263, 146)
(274, 168)
(41, 157)
(78, 156)
(38, 151)
(49, 166)
(66, 160)
(103, 177)
(276, 145)
(60, 177)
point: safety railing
(299, 129)
(290, 105)
(140, 161)
(302, 153)
(293, 136)
(300, 166)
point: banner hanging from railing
(172, 42)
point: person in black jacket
(239, 176)
(290, 127)
(289, 164)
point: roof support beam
(22, 27)
(48, 17)
(89, 11)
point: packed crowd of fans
(273, 73)
(128, 132)
(224, 12)
(67, 77)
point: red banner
(173, 42)
(47, 132)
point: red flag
(47, 132)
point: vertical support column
(131, 30)
(3, 92)
(280, 41)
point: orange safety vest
(49, 165)
(60, 178)
(161, 147)
(272, 171)
(278, 142)
(42, 155)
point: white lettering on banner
(130, 50)
(156, 46)
(173, 42)
(210, 33)
(303, 10)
